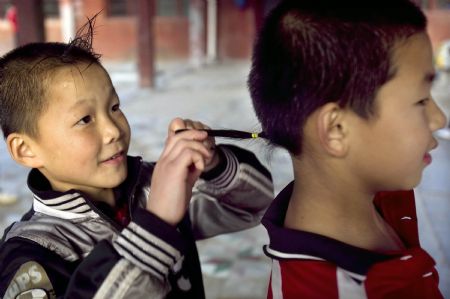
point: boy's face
(392, 148)
(83, 135)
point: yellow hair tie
(254, 135)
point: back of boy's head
(312, 52)
(25, 75)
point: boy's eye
(85, 120)
(116, 107)
(423, 102)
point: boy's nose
(437, 118)
(111, 131)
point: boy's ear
(332, 129)
(21, 150)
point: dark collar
(289, 243)
(75, 201)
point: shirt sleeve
(233, 198)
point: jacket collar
(74, 203)
(295, 244)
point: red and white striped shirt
(308, 265)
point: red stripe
(308, 279)
(269, 292)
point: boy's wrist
(149, 239)
(217, 166)
(158, 227)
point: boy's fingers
(210, 141)
(180, 146)
(198, 161)
(187, 165)
(191, 136)
(198, 125)
(179, 123)
(172, 183)
(189, 123)
(176, 124)
(209, 144)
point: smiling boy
(104, 224)
(71, 126)
(344, 86)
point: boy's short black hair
(25, 73)
(312, 52)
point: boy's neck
(105, 195)
(324, 202)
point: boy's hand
(185, 156)
(209, 142)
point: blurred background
(191, 58)
(148, 31)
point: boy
(97, 228)
(344, 86)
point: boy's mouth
(427, 159)
(117, 156)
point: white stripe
(256, 179)
(356, 276)
(69, 204)
(227, 177)
(149, 249)
(292, 255)
(84, 209)
(349, 288)
(120, 269)
(310, 257)
(276, 281)
(126, 283)
(148, 255)
(176, 254)
(60, 199)
(138, 263)
(41, 208)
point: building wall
(438, 26)
(116, 37)
(172, 37)
(236, 30)
(52, 33)
(6, 38)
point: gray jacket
(68, 247)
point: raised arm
(231, 197)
